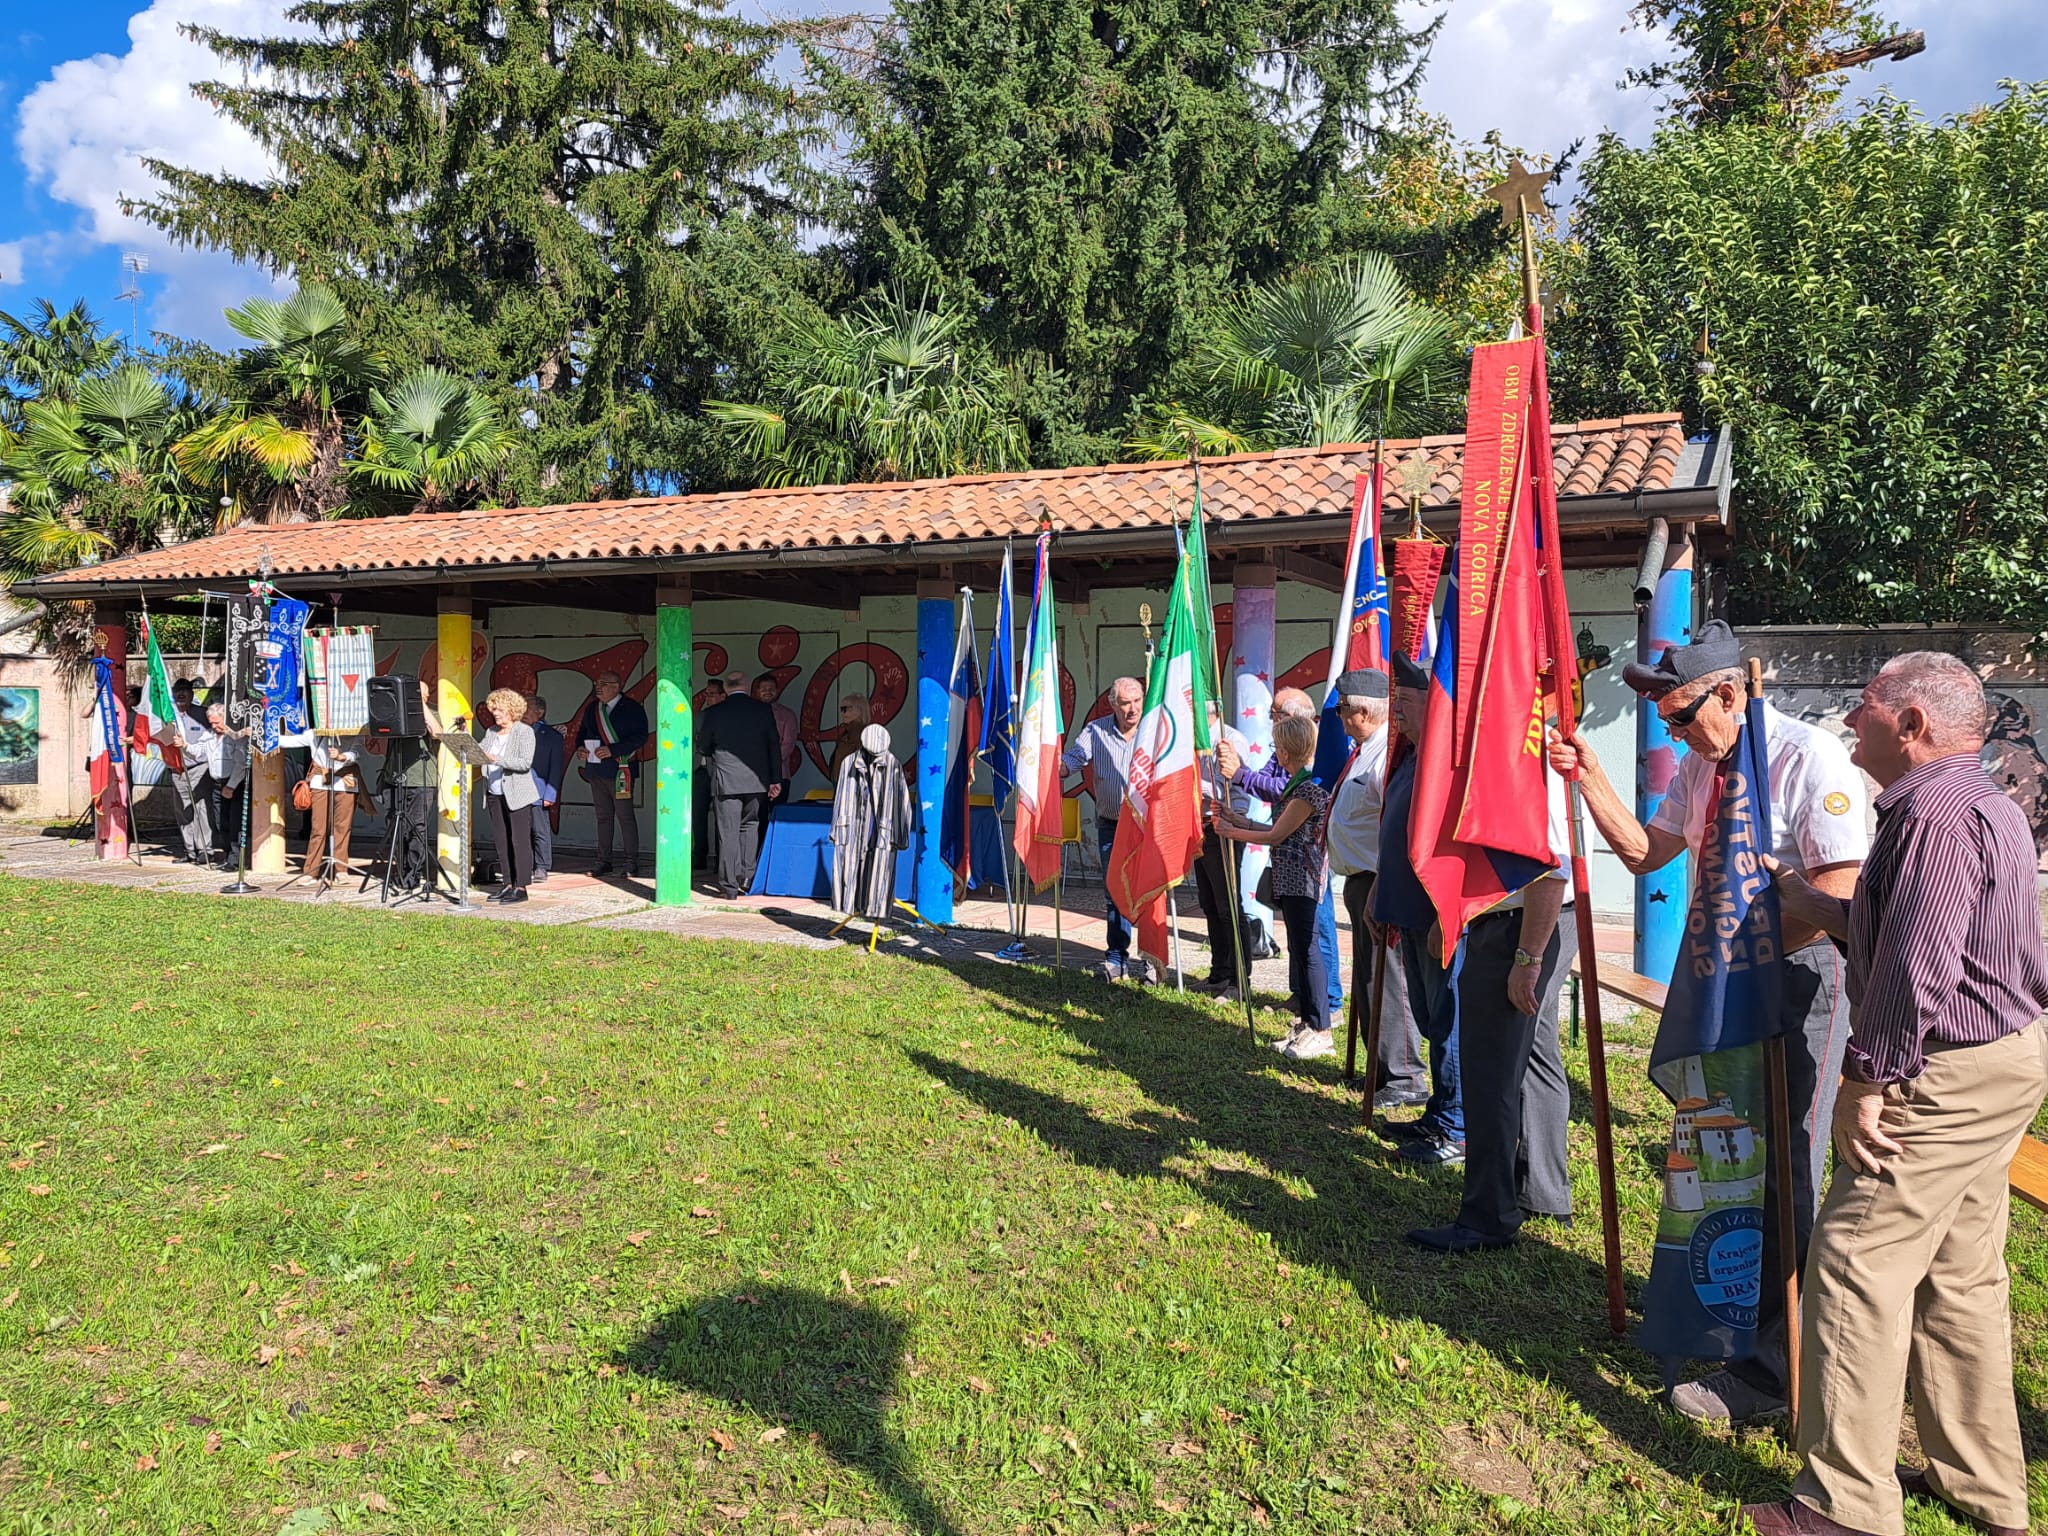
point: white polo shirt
(1353, 829)
(1818, 801)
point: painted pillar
(266, 813)
(452, 703)
(675, 744)
(110, 815)
(1662, 895)
(1254, 605)
(936, 625)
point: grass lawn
(330, 1220)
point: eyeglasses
(1690, 713)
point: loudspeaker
(395, 708)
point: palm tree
(1334, 356)
(279, 447)
(431, 438)
(47, 356)
(93, 475)
(891, 390)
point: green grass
(433, 1226)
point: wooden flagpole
(1780, 1098)
(1562, 664)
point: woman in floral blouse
(1300, 866)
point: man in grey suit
(741, 742)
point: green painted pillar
(675, 744)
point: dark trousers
(512, 831)
(1436, 1019)
(614, 812)
(739, 837)
(1400, 1063)
(1308, 981)
(1119, 926)
(227, 815)
(1218, 910)
(1511, 1072)
(1815, 1012)
(543, 840)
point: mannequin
(870, 822)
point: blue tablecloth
(796, 856)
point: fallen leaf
(703, 1212)
(1184, 1448)
(702, 1178)
(1188, 1219)
(376, 1504)
(517, 1457)
(1225, 1415)
(39, 1189)
(136, 1007)
(249, 1290)
(275, 1157)
(637, 1238)
(9, 1299)
(770, 1436)
(218, 1146)
(601, 1478)
(845, 1280)
(416, 1417)
(723, 1441)
(883, 1280)
(213, 1443)
(265, 1353)
(1259, 1515)
(733, 1511)
(976, 1384)
(145, 1463)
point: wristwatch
(1523, 959)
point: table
(796, 855)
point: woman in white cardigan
(508, 783)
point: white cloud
(84, 133)
(13, 262)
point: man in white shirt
(1103, 747)
(1818, 828)
(192, 783)
(1353, 831)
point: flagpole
(1780, 1097)
(1559, 628)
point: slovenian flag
(1364, 623)
(999, 719)
(963, 730)
(1036, 835)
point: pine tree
(581, 205)
(1093, 176)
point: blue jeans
(1119, 925)
(1326, 943)
(1436, 1016)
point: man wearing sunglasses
(1818, 827)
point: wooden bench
(2028, 1178)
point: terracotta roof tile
(1621, 457)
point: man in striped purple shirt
(1946, 1067)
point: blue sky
(88, 87)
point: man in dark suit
(550, 765)
(610, 734)
(740, 741)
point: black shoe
(1555, 1218)
(1409, 1130)
(499, 894)
(517, 893)
(1456, 1238)
(1399, 1098)
(604, 867)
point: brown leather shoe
(1913, 1483)
(1793, 1518)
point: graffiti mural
(21, 735)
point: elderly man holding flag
(1816, 808)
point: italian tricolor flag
(1036, 836)
(156, 717)
(1159, 834)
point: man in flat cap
(1817, 828)
(1353, 833)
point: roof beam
(1307, 570)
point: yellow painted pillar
(452, 703)
(266, 813)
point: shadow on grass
(817, 1365)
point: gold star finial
(1521, 182)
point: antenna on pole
(133, 266)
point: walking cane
(1244, 975)
(1372, 1027)
(1780, 1097)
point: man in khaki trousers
(1906, 1281)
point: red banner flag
(1496, 433)
(1418, 566)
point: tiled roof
(1619, 458)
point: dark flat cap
(1409, 673)
(1713, 649)
(1362, 683)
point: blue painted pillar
(1661, 895)
(936, 625)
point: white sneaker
(1311, 1043)
(1284, 1045)
(1111, 969)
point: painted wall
(42, 742)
